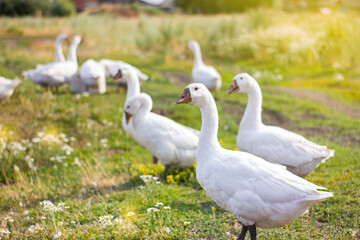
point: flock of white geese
(262, 184)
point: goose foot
(243, 232)
(155, 160)
(165, 173)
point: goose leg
(155, 160)
(165, 173)
(243, 232)
(252, 230)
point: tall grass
(260, 36)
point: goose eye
(128, 107)
(196, 88)
(241, 78)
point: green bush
(24, 7)
(62, 8)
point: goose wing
(174, 133)
(284, 147)
(269, 182)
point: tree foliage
(63, 8)
(32, 7)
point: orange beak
(233, 87)
(127, 116)
(185, 97)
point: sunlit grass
(72, 149)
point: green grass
(108, 179)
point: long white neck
(59, 56)
(143, 111)
(208, 140)
(252, 115)
(72, 53)
(197, 56)
(133, 85)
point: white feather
(272, 143)
(256, 191)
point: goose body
(172, 143)
(133, 89)
(92, 75)
(259, 193)
(202, 73)
(7, 87)
(57, 73)
(272, 143)
(113, 66)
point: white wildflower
(3, 230)
(58, 158)
(339, 77)
(149, 210)
(167, 207)
(159, 204)
(130, 214)
(57, 235)
(118, 220)
(68, 150)
(77, 161)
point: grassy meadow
(70, 149)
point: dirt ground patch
(321, 98)
(178, 78)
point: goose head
(62, 37)
(126, 73)
(195, 94)
(76, 40)
(135, 103)
(193, 45)
(242, 83)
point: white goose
(272, 143)
(57, 73)
(259, 193)
(133, 89)
(7, 87)
(112, 67)
(172, 143)
(201, 73)
(92, 76)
